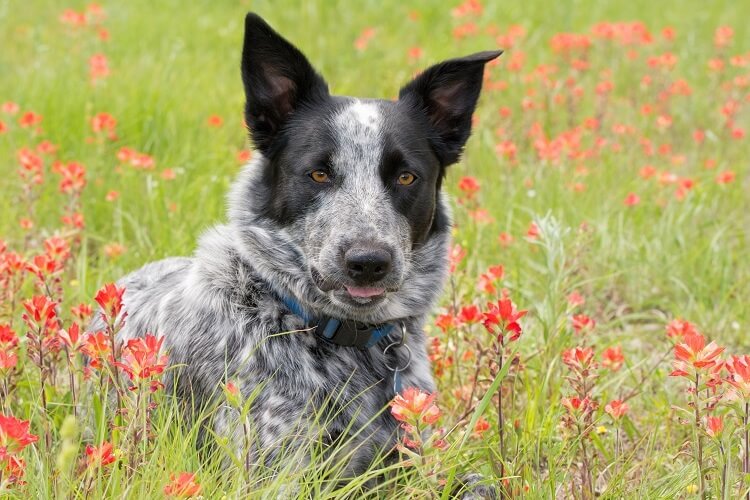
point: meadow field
(605, 190)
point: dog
(314, 294)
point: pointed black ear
(278, 79)
(447, 94)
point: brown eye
(320, 176)
(406, 178)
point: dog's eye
(406, 178)
(320, 176)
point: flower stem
(699, 437)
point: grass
(175, 64)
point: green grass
(174, 64)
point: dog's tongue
(364, 292)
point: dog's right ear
(277, 78)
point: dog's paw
(475, 487)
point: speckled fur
(221, 317)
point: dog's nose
(367, 265)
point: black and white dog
(314, 294)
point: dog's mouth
(350, 294)
(364, 292)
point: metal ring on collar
(408, 356)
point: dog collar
(343, 332)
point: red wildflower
(725, 177)
(470, 314)
(82, 311)
(480, 427)
(579, 358)
(97, 347)
(40, 314)
(29, 119)
(232, 394)
(632, 200)
(694, 354)
(98, 67)
(413, 406)
(8, 338)
(364, 38)
(215, 121)
(8, 361)
(714, 426)
(612, 358)
(505, 239)
(244, 156)
(73, 177)
(502, 318)
(455, 255)
(14, 435)
(532, 232)
(445, 322)
(575, 299)
(14, 470)
(680, 328)
(141, 358)
(582, 322)
(616, 409)
(104, 122)
(469, 185)
(182, 486)
(109, 298)
(739, 376)
(10, 107)
(723, 36)
(72, 337)
(575, 404)
(99, 456)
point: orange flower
(41, 314)
(612, 358)
(141, 358)
(14, 435)
(215, 121)
(182, 486)
(413, 406)
(616, 409)
(694, 354)
(632, 200)
(481, 426)
(455, 256)
(680, 328)
(714, 426)
(469, 314)
(575, 299)
(582, 322)
(739, 376)
(575, 404)
(244, 156)
(109, 298)
(469, 185)
(505, 316)
(97, 347)
(579, 358)
(99, 456)
(8, 338)
(445, 322)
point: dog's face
(355, 183)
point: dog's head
(350, 188)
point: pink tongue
(364, 292)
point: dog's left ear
(278, 80)
(447, 93)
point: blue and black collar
(343, 332)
